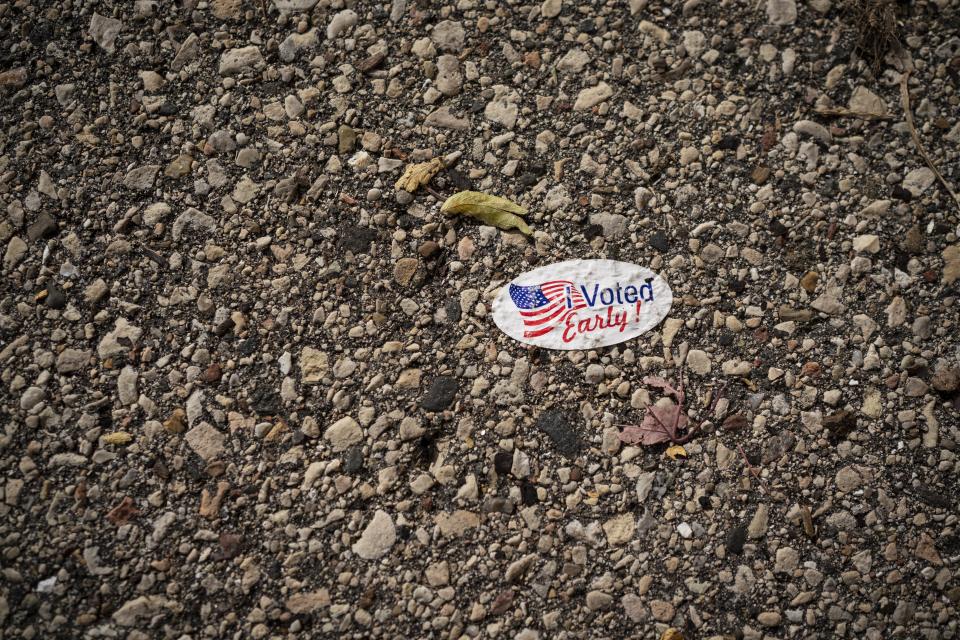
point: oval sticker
(582, 304)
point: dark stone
(231, 545)
(496, 504)
(355, 239)
(736, 539)
(527, 179)
(224, 327)
(55, 299)
(900, 193)
(705, 502)
(528, 493)
(426, 451)
(503, 462)
(735, 422)
(557, 425)
(249, 346)
(913, 241)
(776, 446)
(933, 498)
(592, 231)
(659, 242)
(840, 424)
(737, 286)
(265, 401)
(441, 393)
(459, 180)
(777, 228)
(725, 339)
(728, 143)
(453, 309)
(44, 227)
(353, 459)
(588, 26)
(830, 188)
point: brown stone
(809, 281)
(662, 611)
(760, 175)
(212, 374)
(176, 423)
(210, 502)
(227, 9)
(404, 270)
(946, 380)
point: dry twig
(840, 112)
(905, 100)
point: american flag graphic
(544, 306)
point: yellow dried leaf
(416, 175)
(494, 210)
(674, 451)
(672, 634)
(117, 437)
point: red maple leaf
(661, 423)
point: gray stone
(449, 79)
(31, 397)
(340, 23)
(865, 101)
(294, 6)
(377, 538)
(71, 360)
(592, 96)
(813, 130)
(614, 225)
(502, 112)
(186, 53)
(119, 340)
(241, 60)
(443, 118)
(598, 600)
(594, 373)
(192, 218)
(787, 560)
(448, 36)
(919, 180)
(104, 31)
(206, 441)
(699, 362)
(343, 434)
(781, 12)
(141, 178)
(758, 524)
(551, 8)
(573, 61)
(848, 479)
(127, 386)
(294, 43)
(16, 250)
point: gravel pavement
(250, 389)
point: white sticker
(582, 304)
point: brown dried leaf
(674, 451)
(660, 424)
(416, 175)
(666, 387)
(122, 513)
(502, 602)
(494, 210)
